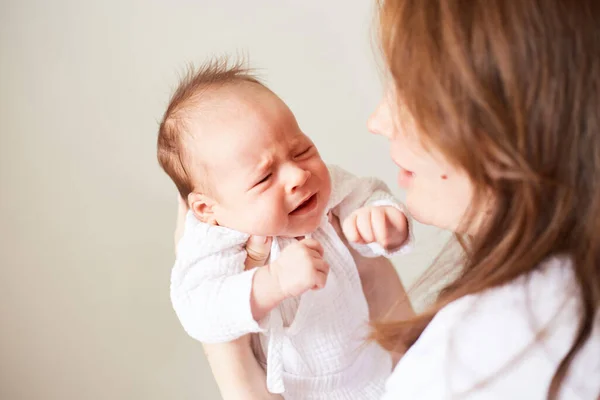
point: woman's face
(436, 193)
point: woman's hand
(182, 209)
(234, 366)
(258, 249)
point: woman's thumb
(258, 249)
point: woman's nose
(380, 122)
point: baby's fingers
(365, 228)
(380, 227)
(321, 278)
(350, 229)
(396, 219)
(313, 246)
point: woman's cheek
(416, 205)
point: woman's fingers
(182, 209)
(258, 249)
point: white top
(484, 346)
(315, 344)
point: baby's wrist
(266, 293)
(274, 287)
(278, 290)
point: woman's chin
(417, 210)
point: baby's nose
(297, 179)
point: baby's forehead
(236, 98)
(235, 121)
(236, 109)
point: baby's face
(267, 175)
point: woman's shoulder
(537, 296)
(504, 341)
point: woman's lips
(405, 177)
(307, 206)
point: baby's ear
(202, 207)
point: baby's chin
(300, 228)
(295, 226)
(304, 228)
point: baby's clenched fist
(300, 268)
(385, 225)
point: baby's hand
(300, 268)
(385, 225)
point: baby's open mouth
(306, 206)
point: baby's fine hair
(214, 73)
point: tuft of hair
(171, 151)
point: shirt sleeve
(210, 291)
(350, 193)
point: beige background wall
(86, 216)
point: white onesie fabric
(314, 344)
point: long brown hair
(509, 92)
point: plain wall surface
(87, 215)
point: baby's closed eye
(263, 179)
(304, 152)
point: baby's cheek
(325, 183)
(269, 219)
(324, 173)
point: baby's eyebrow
(263, 166)
(297, 142)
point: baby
(236, 153)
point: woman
(493, 116)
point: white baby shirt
(315, 344)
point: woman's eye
(263, 180)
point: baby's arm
(213, 304)
(373, 220)
(217, 301)
(380, 229)
(299, 268)
(234, 366)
